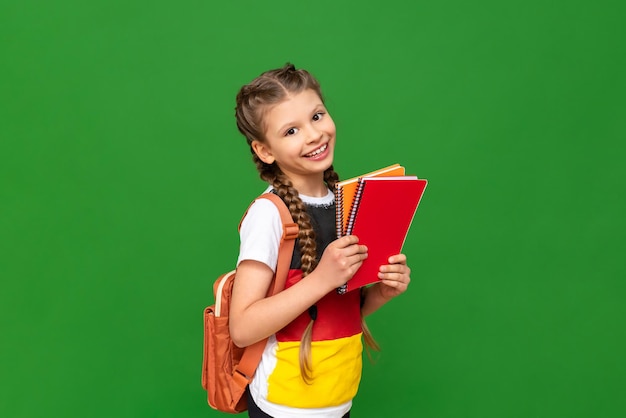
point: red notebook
(381, 216)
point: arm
(395, 278)
(253, 316)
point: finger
(356, 249)
(391, 275)
(391, 283)
(356, 258)
(397, 283)
(395, 277)
(395, 268)
(347, 241)
(397, 259)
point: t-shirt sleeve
(260, 234)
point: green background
(123, 178)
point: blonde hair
(253, 99)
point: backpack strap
(244, 372)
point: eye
(291, 131)
(317, 116)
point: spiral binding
(355, 205)
(339, 210)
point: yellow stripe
(336, 374)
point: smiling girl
(311, 365)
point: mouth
(317, 152)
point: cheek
(331, 129)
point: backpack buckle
(241, 379)
(290, 231)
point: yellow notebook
(345, 192)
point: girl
(311, 365)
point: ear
(263, 151)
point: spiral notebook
(345, 192)
(381, 216)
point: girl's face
(300, 138)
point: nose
(314, 134)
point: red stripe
(338, 316)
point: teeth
(317, 151)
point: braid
(331, 177)
(285, 190)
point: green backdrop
(123, 178)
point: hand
(395, 277)
(341, 259)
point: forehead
(295, 105)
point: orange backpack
(227, 369)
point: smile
(317, 151)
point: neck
(313, 188)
